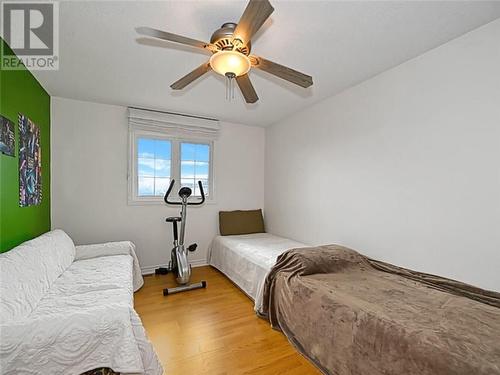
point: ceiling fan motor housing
(223, 39)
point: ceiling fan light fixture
(224, 62)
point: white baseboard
(198, 262)
(149, 270)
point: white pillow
(28, 271)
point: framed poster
(30, 163)
(7, 136)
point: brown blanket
(352, 315)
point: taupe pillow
(240, 222)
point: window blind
(174, 125)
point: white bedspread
(84, 319)
(247, 259)
(113, 248)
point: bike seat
(172, 219)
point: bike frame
(179, 251)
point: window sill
(154, 202)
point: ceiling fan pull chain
(227, 86)
(230, 77)
(230, 89)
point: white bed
(246, 259)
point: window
(167, 146)
(157, 158)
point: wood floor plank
(213, 331)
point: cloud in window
(151, 186)
(150, 163)
(149, 155)
(194, 162)
(146, 186)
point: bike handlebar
(169, 190)
(202, 196)
(170, 187)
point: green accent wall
(20, 92)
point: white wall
(89, 182)
(404, 167)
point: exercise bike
(179, 264)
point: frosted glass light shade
(230, 62)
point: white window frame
(175, 164)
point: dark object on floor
(161, 271)
(353, 315)
(101, 371)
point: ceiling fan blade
(247, 89)
(254, 16)
(154, 33)
(190, 77)
(281, 71)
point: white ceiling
(339, 43)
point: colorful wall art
(30, 163)
(20, 92)
(7, 137)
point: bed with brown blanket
(353, 315)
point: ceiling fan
(230, 46)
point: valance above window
(174, 125)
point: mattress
(247, 259)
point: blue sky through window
(153, 166)
(195, 160)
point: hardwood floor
(213, 331)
